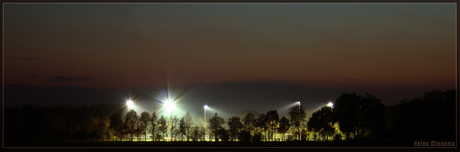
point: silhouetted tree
(347, 108)
(373, 117)
(224, 134)
(195, 132)
(298, 116)
(360, 115)
(272, 120)
(182, 128)
(103, 127)
(257, 137)
(58, 122)
(248, 124)
(245, 136)
(89, 128)
(173, 127)
(153, 125)
(162, 125)
(216, 122)
(203, 124)
(321, 121)
(284, 125)
(132, 120)
(188, 123)
(235, 126)
(261, 122)
(139, 131)
(124, 130)
(431, 117)
(144, 121)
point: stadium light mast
(298, 127)
(205, 107)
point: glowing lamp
(330, 104)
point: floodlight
(205, 106)
(330, 104)
(169, 105)
(129, 103)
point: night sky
(233, 57)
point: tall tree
(235, 126)
(361, 116)
(144, 121)
(195, 132)
(124, 130)
(284, 125)
(103, 127)
(347, 109)
(261, 122)
(182, 128)
(153, 124)
(272, 119)
(245, 136)
(430, 117)
(373, 117)
(139, 131)
(188, 124)
(321, 121)
(216, 122)
(90, 127)
(115, 123)
(298, 116)
(204, 129)
(132, 120)
(162, 125)
(173, 128)
(249, 122)
(223, 134)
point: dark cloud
(59, 78)
(350, 79)
(7, 86)
(12, 69)
(35, 76)
(82, 79)
(17, 94)
(26, 58)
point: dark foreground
(207, 144)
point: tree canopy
(216, 123)
(298, 117)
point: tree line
(353, 117)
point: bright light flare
(129, 103)
(169, 105)
(298, 102)
(330, 104)
(205, 106)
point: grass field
(204, 144)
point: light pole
(205, 107)
(298, 127)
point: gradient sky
(393, 51)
